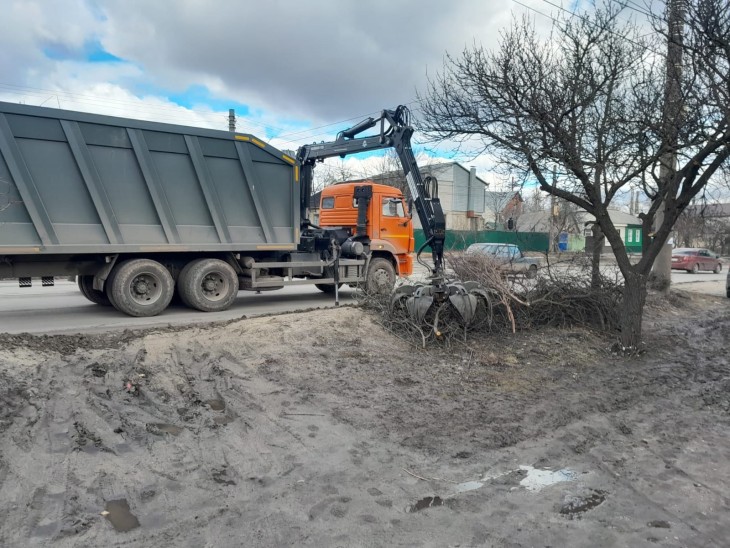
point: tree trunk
(598, 240)
(632, 309)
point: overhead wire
(586, 20)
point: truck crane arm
(432, 303)
(395, 132)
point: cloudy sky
(294, 71)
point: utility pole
(662, 267)
(551, 217)
(231, 120)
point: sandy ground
(320, 429)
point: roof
(709, 210)
(494, 199)
(619, 218)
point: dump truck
(141, 212)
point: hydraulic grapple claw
(443, 307)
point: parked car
(508, 257)
(695, 259)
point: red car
(694, 259)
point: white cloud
(294, 63)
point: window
(328, 203)
(393, 207)
(630, 235)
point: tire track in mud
(248, 437)
(48, 440)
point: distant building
(499, 207)
(710, 211)
(578, 224)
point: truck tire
(86, 286)
(327, 288)
(140, 287)
(531, 273)
(381, 277)
(208, 285)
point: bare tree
(329, 173)
(495, 206)
(535, 202)
(591, 99)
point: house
(499, 207)
(576, 225)
(567, 227)
(628, 226)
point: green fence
(461, 239)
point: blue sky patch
(91, 52)
(198, 95)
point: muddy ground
(320, 429)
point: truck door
(395, 225)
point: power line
(586, 20)
(354, 118)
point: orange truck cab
(389, 224)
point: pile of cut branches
(559, 296)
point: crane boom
(395, 132)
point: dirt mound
(320, 428)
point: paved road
(62, 309)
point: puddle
(119, 515)
(578, 505)
(468, 486)
(161, 428)
(427, 502)
(216, 405)
(537, 479)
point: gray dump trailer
(139, 210)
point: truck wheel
(208, 285)
(327, 288)
(531, 273)
(86, 286)
(381, 277)
(140, 287)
